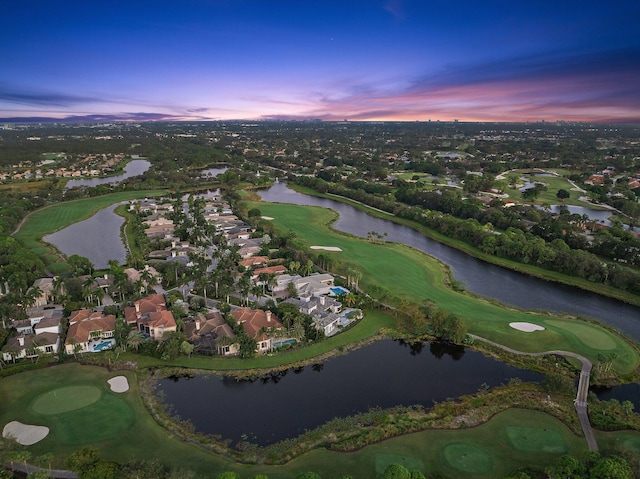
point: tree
(308, 475)
(611, 467)
(134, 339)
(562, 194)
(186, 348)
(396, 471)
(228, 475)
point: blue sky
(360, 60)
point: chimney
(137, 305)
(268, 316)
(198, 324)
(21, 340)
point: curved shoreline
(600, 289)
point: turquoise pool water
(279, 344)
(103, 345)
(338, 290)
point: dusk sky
(333, 60)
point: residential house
(47, 290)
(30, 345)
(85, 327)
(150, 315)
(254, 261)
(134, 276)
(256, 323)
(206, 333)
(316, 284)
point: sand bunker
(327, 248)
(24, 433)
(526, 327)
(268, 218)
(119, 384)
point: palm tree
(350, 299)
(135, 338)
(58, 287)
(31, 296)
(308, 268)
(297, 331)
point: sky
(358, 60)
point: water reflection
(96, 238)
(133, 168)
(383, 374)
(508, 287)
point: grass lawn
(413, 275)
(117, 424)
(456, 453)
(120, 427)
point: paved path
(58, 473)
(583, 386)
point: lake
(133, 168)
(383, 374)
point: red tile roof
(252, 320)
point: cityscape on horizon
(387, 60)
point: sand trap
(327, 248)
(526, 327)
(268, 218)
(119, 384)
(24, 433)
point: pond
(383, 374)
(133, 168)
(96, 238)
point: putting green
(101, 420)
(589, 335)
(67, 399)
(536, 439)
(468, 457)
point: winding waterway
(382, 374)
(506, 286)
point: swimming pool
(279, 344)
(338, 290)
(103, 345)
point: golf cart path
(583, 386)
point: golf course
(79, 405)
(415, 276)
(76, 403)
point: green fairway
(122, 429)
(485, 451)
(536, 439)
(468, 457)
(67, 399)
(117, 424)
(410, 274)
